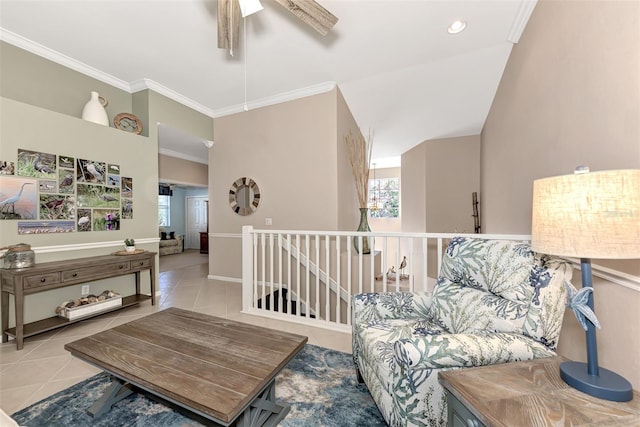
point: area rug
(319, 384)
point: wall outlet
(268, 221)
(85, 290)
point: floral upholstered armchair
(495, 301)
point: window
(386, 193)
(164, 211)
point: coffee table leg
(117, 391)
(263, 411)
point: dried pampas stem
(360, 156)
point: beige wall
(570, 95)
(295, 151)
(438, 179)
(348, 217)
(180, 171)
(413, 182)
(452, 168)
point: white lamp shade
(588, 215)
(249, 7)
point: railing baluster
(372, 258)
(317, 287)
(255, 270)
(327, 282)
(349, 281)
(298, 276)
(385, 265)
(425, 263)
(339, 285)
(398, 261)
(439, 255)
(308, 274)
(263, 273)
(360, 266)
(289, 283)
(279, 268)
(410, 264)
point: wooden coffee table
(216, 368)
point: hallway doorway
(196, 220)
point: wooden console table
(59, 274)
(529, 393)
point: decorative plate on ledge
(128, 122)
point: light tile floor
(43, 367)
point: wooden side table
(529, 393)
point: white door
(196, 221)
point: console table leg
(117, 391)
(152, 283)
(5, 315)
(19, 309)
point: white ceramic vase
(93, 111)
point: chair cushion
(500, 286)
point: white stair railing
(321, 270)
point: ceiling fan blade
(311, 13)
(228, 24)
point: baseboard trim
(224, 278)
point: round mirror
(244, 196)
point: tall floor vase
(363, 226)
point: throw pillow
(172, 234)
(163, 236)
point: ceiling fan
(230, 11)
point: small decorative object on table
(129, 245)
(88, 305)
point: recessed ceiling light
(456, 27)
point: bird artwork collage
(49, 193)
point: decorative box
(90, 309)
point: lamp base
(607, 385)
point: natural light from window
(164, 209)
(386, 193)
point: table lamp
(589, 215)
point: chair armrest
(390, 305)
(446, 351)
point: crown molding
(276, 99)
(62, 59)
(183, 156)
(144, 83)
(525, 9)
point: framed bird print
(36, 164)
(18, 198)
(64, 193)
(90, 171)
